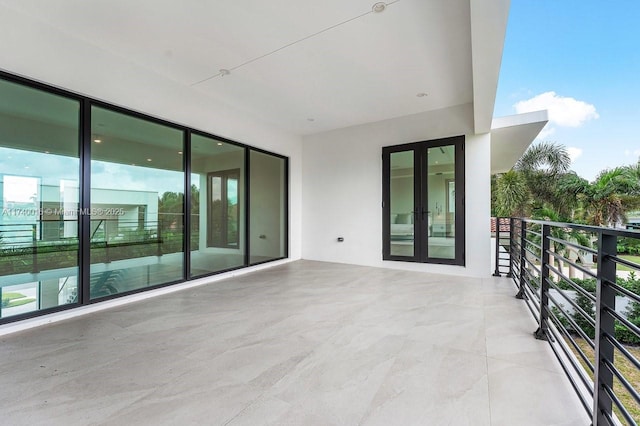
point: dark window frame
(421, 197)
(224, 175)
(84, 146)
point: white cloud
(574, 153)
(563, 111)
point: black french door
(423, 201)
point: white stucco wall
(342, 190)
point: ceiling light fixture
(97, 140)
(180, 152)
(422, 95)
(379, 7)
(149, 159)
(219, 143)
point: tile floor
(306, 343)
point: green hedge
(632, 312)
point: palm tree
(564, 234)
(512, 194)
(550, 158)
(611, 195)
(532, 183)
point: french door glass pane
(39, 176)
(217, 205)
(402, 220)
(441, 214)
(137, 192)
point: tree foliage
(541, 181)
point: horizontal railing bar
(528, 265)
(575, 286)
(620, 406)
(625, 262)
(624, 291)
(588, 228)
(584, 315)
(532, 243)
(558, 324)
(533, 231)
(632, 327)
(535, 256)
(572, 263)
(533, 308)
(586, 404)
(534, 294)
(622, 349)
(529, 262)
(622, 379)
(607, 415)
(529, 273)
(533, 297)
(533, 265)
(574, 245)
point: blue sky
(580, 60)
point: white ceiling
(334, 61)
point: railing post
(159, 247)
(523, 253)
(509, 274)
(496, 273)
(106, 242)
(34, 249)
(605, 324)
(541, 332)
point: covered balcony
(311, 343)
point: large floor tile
(528, 396)
(306, 343)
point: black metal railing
(581, 283)
(47, 244)
(501, 228)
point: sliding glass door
(39, 181)
(423, 204)
(99, 201)
(218, 205)
(137, 203)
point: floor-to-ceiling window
(218, 207)
(268, 207)
(94, 201)
(39, 180)
(423, 201)
(137, 203)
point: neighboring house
(53, 212)
(356, 117)
(633, 220)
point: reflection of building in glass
(77, 228)
(51, 213)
